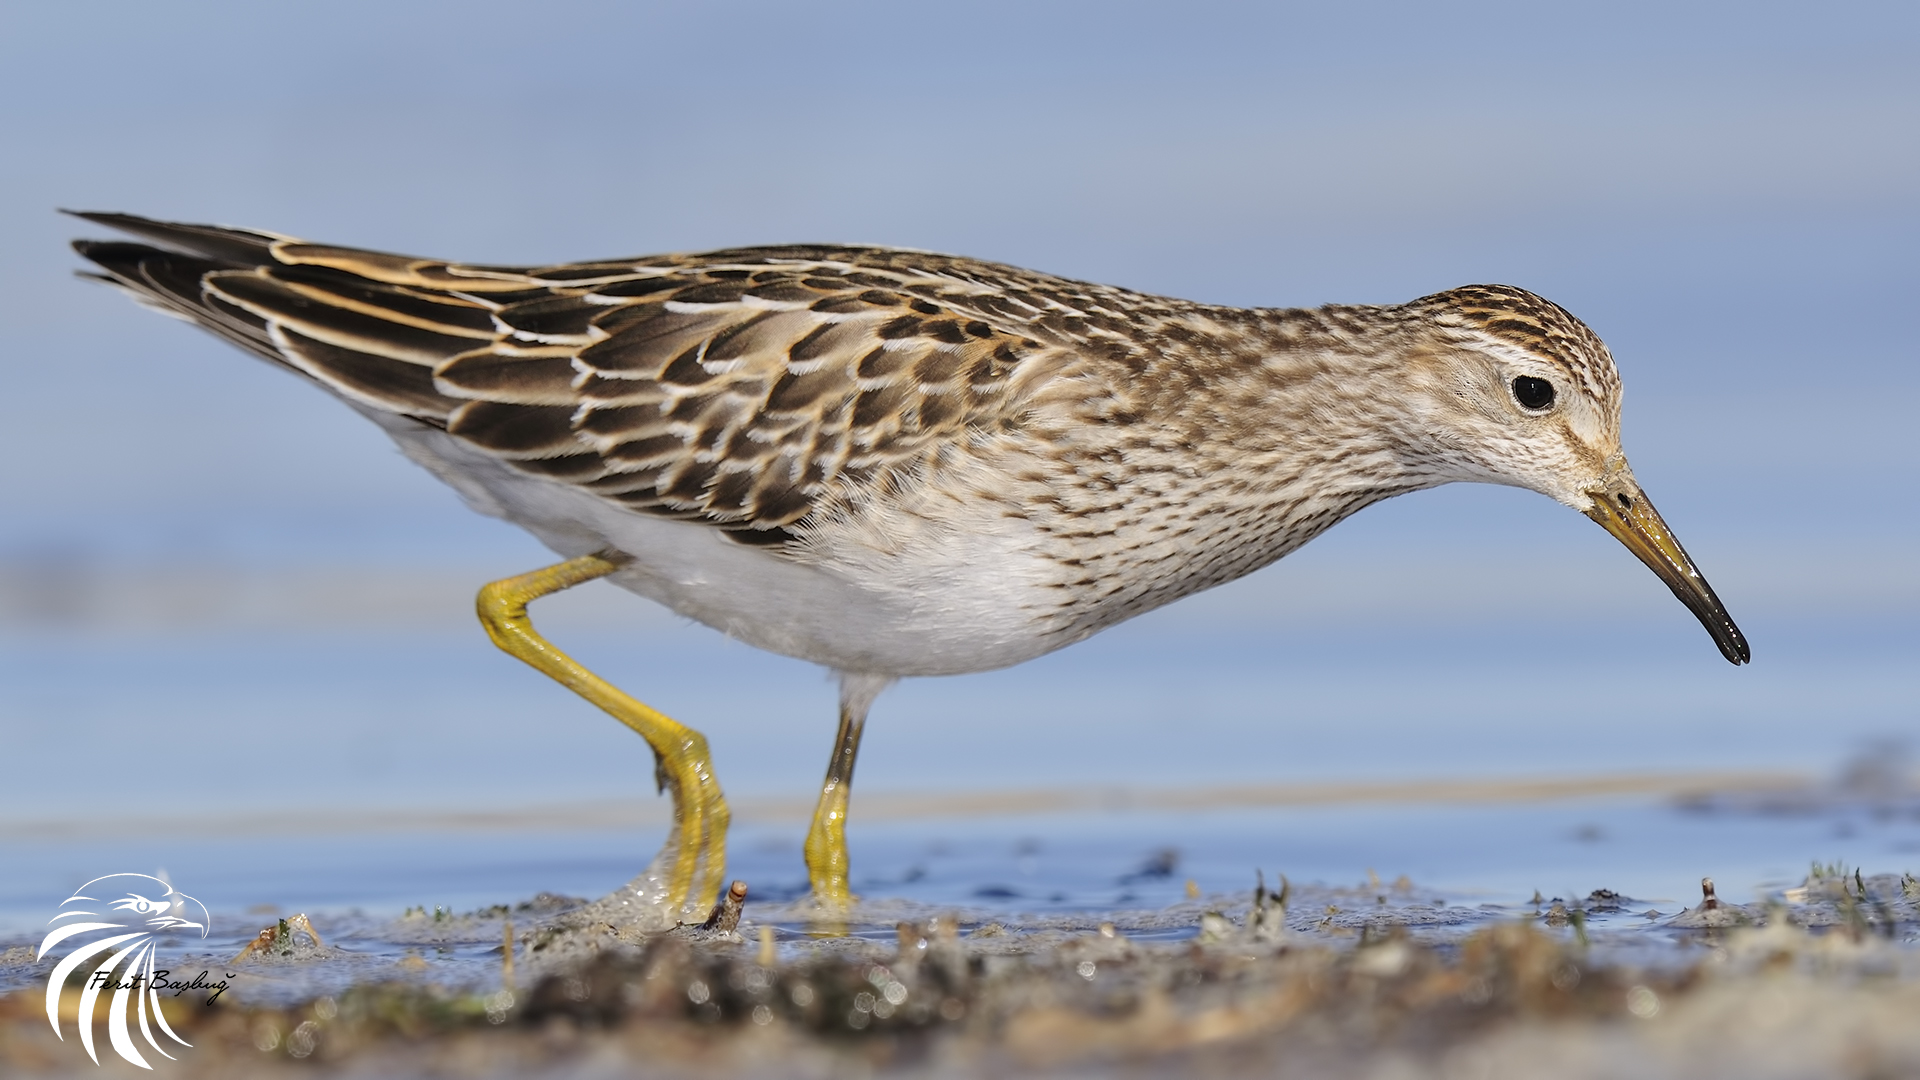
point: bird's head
(1511, 389)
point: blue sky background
(1727, 193)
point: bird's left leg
(826, 846)
(696, 850)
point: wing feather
(313, 314)
(486, 375)
(741, 388)
(368, 378)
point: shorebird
(896, 463)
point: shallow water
(1495, 857)
(278, 770)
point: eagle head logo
(148, 907)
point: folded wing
(737, 388)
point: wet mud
(1381, 980)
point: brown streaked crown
(1533, 323)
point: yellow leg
(697, 846)
(827, 839)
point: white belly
(927, 599)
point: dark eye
(1532, 393)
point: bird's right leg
(696, 850)
(826, 845)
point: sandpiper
(898, 463)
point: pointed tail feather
(370, 342)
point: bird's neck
(1284, 428)
(1319, 416)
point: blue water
(1502, 854)
(210, 722)
(134, 753)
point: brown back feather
(734, 387)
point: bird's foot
(826, 850)
(682, 883)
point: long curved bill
(1624, 510)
